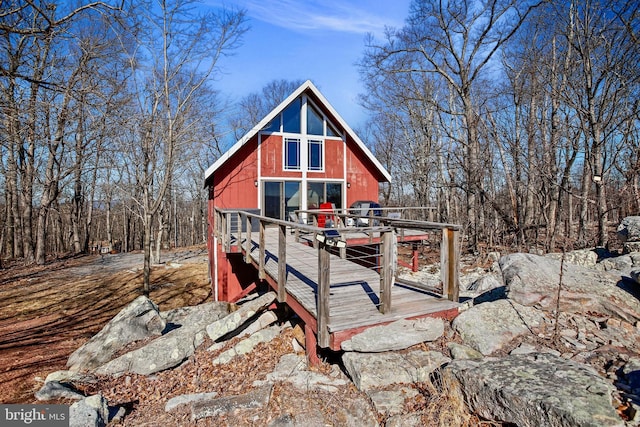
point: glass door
(280, 198)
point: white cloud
(331, 15)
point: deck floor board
(354, 289)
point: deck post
(449, 260)
(282, 263)
(322, 298)
(386, 269)
(261, 257)
(239, 231)
(226, 233)
(247, 244)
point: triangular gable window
(291, 118)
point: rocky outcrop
(490, 326)
(233, 321)
(584, 257)
(534, 281)
(535, 390)
(370, 371)
(138, 320)
(218, 406)
(398, 335)
(172, 348)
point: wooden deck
(354, 296)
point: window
(292, 154)
(291, 117)
(320, 192)
(315, 155)
(315, 124)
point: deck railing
(237, 227)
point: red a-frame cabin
(298, 156)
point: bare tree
(183, 50)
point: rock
(170, 349)
(620, 263)
(536, 390)
(630, 247)
(89, 412)
(490, 326)
(265, 319)
(533, 281)
(398, 335)
(200, 314)
(233, 321)
(55, 390)
(212, 408)
(406, 420)
(629, 229)
(292, 369)
(486, 283)
(584, 257)
(185, 399)
(461, 351)
(70, 377)
(635, 275)
(247, 345)
(391, 402)
(526, 348)
(138, 320)
(369, 371)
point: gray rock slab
(635, 275)
(187, 399)
(369, 371)
(536, 390)
(584, 257)
(170, 349)
(395, 336)
(247, 345)
(533, 281)
(211, 408)
(629, 229)
(233, 321)
(138, 320)
(461, 351)
(405, 420)
(486, 283)
(490, 326)
(91, 411)
(293, 369)
(70, 377)
(55, 390)
(391, 402)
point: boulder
(91, 411)
(292, 369)
(233, 321)
(398, 335)
(138, 320)
(170, 349)
(392, 402)
(187, 399)
(486, 283)
(630, 247)
(219, 406)
(461, 351)
(629, 229)
(247, 345)
(370, 371)
(584, 257)
(536, 390)
(533, 281)
(56, 390)
(490, 326)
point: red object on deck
(326, 220)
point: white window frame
(320, 142)
(285, 160)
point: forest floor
(46, 312)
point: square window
(315, 155)
(292, 154)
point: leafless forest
(517, 119)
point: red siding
(234, 182)
(364, 185)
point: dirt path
(47, 312)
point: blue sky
(307, 39)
